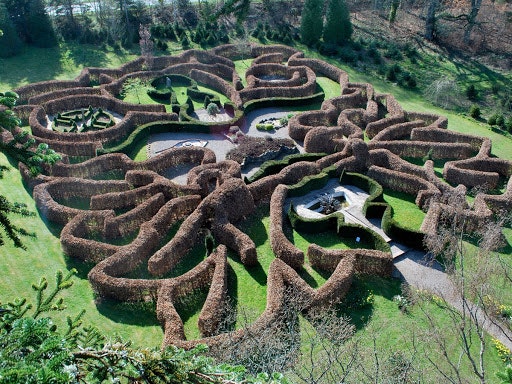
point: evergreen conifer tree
(10, 43)
(338, 27)
(40, 28)
(311, 22)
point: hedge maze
(360, 137)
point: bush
(500, 121)
(374, 54)
(474, 111)
(495, 118)
(328, 49)
(161, 45)
(347, 55)
(508, 124)
(393, 52)
(392, 72)
(471, 92)
(190, 106)
(406, 80)
(443, 92)
(506, 102)
(212, 109)
(207, 101)
(264, 126)
(185, 42)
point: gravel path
(413, 268)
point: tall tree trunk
(475, 8)
(430, 22)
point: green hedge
(199, 96)
(272, 167)
(283, 101)
(143, 132)
(312, 182)
(373, 206)
(308, 225)
(393, 229)
(336, 222)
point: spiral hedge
(142, 205)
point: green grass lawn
(59, 63)
(405, 211)
(20, 268)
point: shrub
(161, 45)
(347, 55)
(328, 49)
(443, 92)
(190, 106)
(492, 119)
(185, 42)
(495, 88)
(207, 101)
(474, 111)
(392, 72)
(264, 126)
(374, 53)
(402, 302)
(508, 124)
(496, 119)
(393, 52)
(506, 102)
(406, 80)
(471, 92)
(212, 109)
(500, 121)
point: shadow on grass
(188, 306)
(358, 305)
(88, 55)
(232, 286)
(256, 271)
(54, 228)
(306, 276)
(253, 226)
(140, 314)
(83, 268)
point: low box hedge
(272, 167)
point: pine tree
(338, 27)
(311, 22)
(40, 28)
(10, 43)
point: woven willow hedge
(141, 206)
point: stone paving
(353, 213)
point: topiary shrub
(207, 101)
(212, 109)
(264, 126)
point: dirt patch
(251, 148)
(202, 115)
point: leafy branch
(33, 349)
